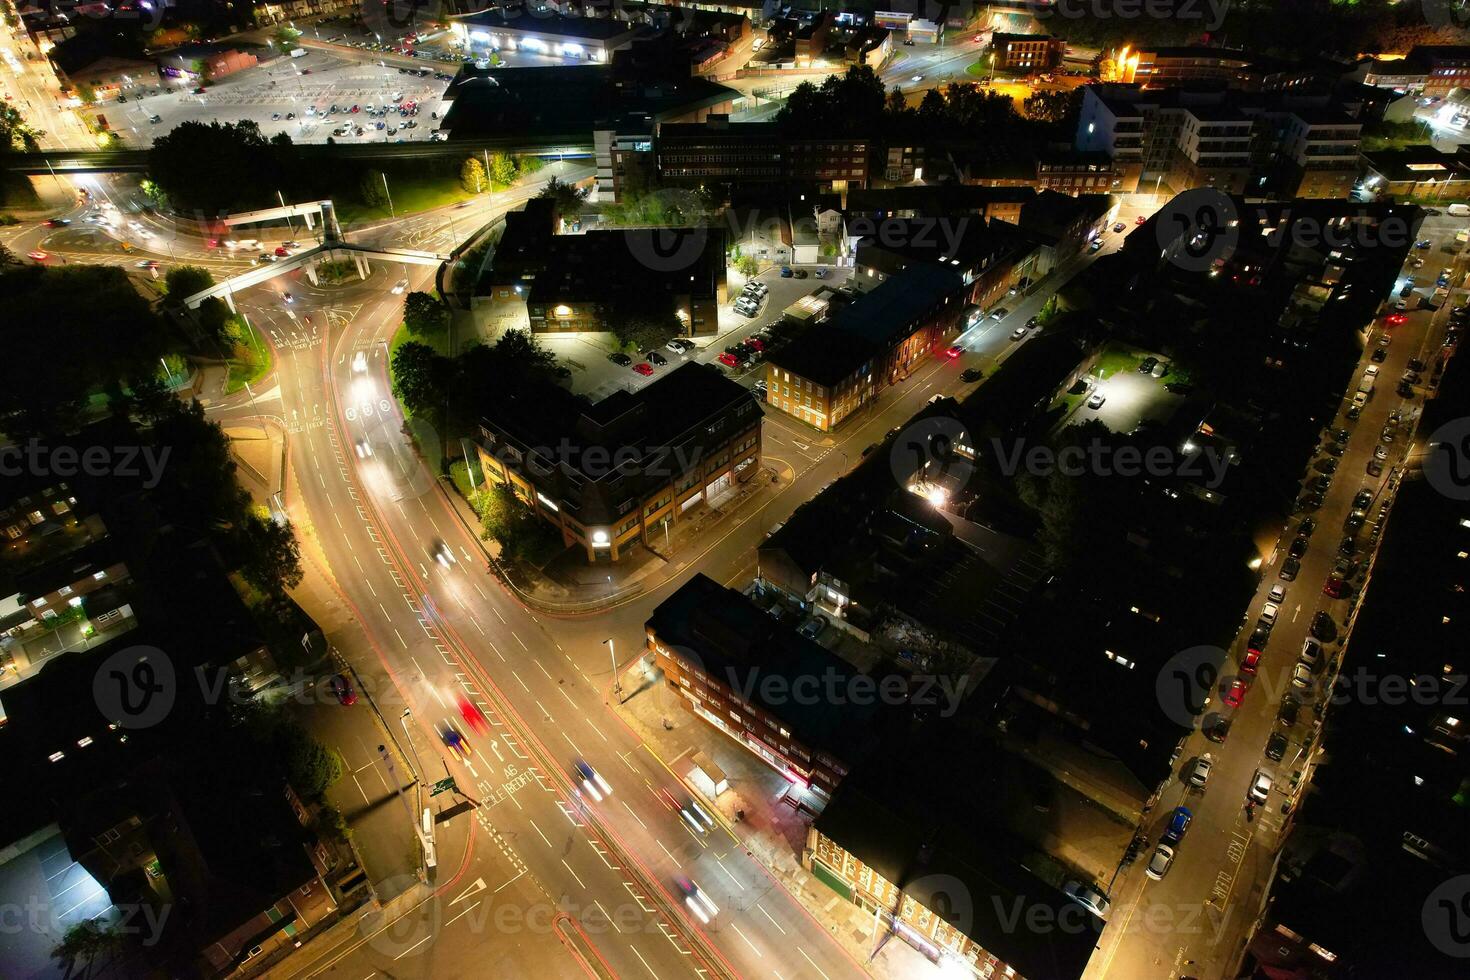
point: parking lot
(1131, 397)
(597, 377)
(290, 95)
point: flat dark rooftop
(550, 24)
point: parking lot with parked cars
(310, 99)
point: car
(275, 116)
(1411, 378)
(1033, 323)
(1236, 693)
(1353, 412)
(342, 689)
(820, 273)
(1251, 663)
(1260, 787)
(1415, 364)
(1096, 245)
(364, 448)
(1329, 465)
(591, 782)
(1371, 371)
(455, 742)
(38, 255)
(1158, 865)
(1379, 355)
(757, 287)
(1260, 636)
(443, 554)
(728, 359)
(969, 375)
(1312, 501)
(676, 346)
(1362, 499)
(999, 313)
(355, 108)
(147, 264)
(1097, 400)
(644, 368)
(697, 901)
(1119, 226)
(359, 361)
(154, 119)
(56, 222)
(199, 90)
(746, 309)
(917, 78)
(1179, 822)
(1301, 676)
(655, 358)
(1217, 730)
(1299, 546)
(1289, 569)
(1087, 896)
(282, 251)
(1276, 746)
(1323, 628)
(1404, 390)
(1277, 594)
(954, 350)
(1400, 305)
(1286, 715)
(813, 627)
(620, 359)
(1375, 468)
(1140, 220)
(1018, 333)
(1347, 546)
(1334, 449)
(786, 272)
(1321, 483)
(1335, 587)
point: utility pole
(617, 684)
(391, 212)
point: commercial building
(1027, 53)
(838, 366)
(990, 257)
(1428, 69)
(591, 39)
(1065, 224)
(940, 200)
(871, 46)
(204, 62)
(1291, 145)
(1233, 68)
(763, 152)
(922, 849)
(617, 473)
(761, 683)
(582, 283)
(1416, 172)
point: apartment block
(719, 150)
(611, 475)
(1164, 67)
(1029, 53)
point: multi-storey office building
(719, 150)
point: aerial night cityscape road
(732, 493)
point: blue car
(1178, 825)
(786, 272)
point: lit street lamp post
(617, 684)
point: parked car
(954, 350)
(1287, 713)
(620, 359)
(1299, 546)
(1236, 693)
(1260, 787)
(1311, 653)
(342, 689)
(1199, 775)
(1259, 638)
(1084, 895)
(969, 375)
(813, 627)
(1179, 822)
(1289, 569)
(1159, 864)
(1276, 746)
(655, 358)
(1119, 226)
(1323, 628)
(1096, 401)
(643, 368)
(1301, 676)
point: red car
(1395, 319)
(342, 689)
(644, 369)
(1236, 694)
(755, 342)
(1251, 662)
(1335, 587)
(472, 715)
(1140, 220)
(726, 359)
(282, 251)
(38, 255)
(954, 351)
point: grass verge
(252, 361)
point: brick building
(1028, 53)
(719, 150)
(614, 474)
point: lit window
(74, 601)
(64, 590)
(84, 741)
(57, 756)
(100, 575)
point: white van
(1459, 210)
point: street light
(617, 684)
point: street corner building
(615, 474)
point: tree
(285, 37)
(372, 188)
(86, 93)
(568, 198)
(503, 169)
(529, 163)
(271, 558)
(420, 377)
(216, 167)
(311, 767)
(644, 323)
(748, 266)
(506, 520)
(86, 940)
(472, 175)
(186, 280)
(423, 314)
(1053, 107)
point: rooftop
(549, 24)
